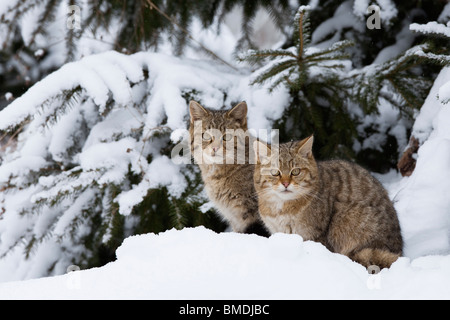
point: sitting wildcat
(337, 203)
(228, 184)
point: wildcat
(336, 202)
(228, 184)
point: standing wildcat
(337, 203)
(228, 184)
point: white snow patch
(430, 28)
(422, 200)
(196, 263)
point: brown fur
(337, 203)
(407, 163)
(229, 186)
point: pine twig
(300, 29)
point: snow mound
(422, 200)
(197, 263)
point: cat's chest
(285, 224)
(279, 217)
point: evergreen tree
(315, 78)
(29, 50)
(97, 167)
(84, 156)
(329, 98)
(436, 50)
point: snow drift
(197, 263)
(112, 133)
(85, 132)
(422, 200)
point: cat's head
(289, 172)
(212, 131)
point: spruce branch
(397, 75)
(151, 5)
(314, 77)
(300, 34)
(292, 66)
(47, 15)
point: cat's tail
(375, 257)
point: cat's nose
(215, 149)
(285, 184)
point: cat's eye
(227, 137)
(275, 172)
(206, 136)
(295, 171)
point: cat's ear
(197, 112)
(305, 147)
(239, 112)
(262, 152)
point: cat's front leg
(258, 228)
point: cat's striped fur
(337, 203)
(229, 186)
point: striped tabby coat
(228, 185)
(337, 203)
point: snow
(422, 199)
(201, 264)
(105, 134)
(197, 263)
(444, 92)
(63, 139)
(342, 19)
(265, 34)
(444, 17)
(21, 166)
(403, 41)
(161, 172)
(360, 8)
(387, 9)
(430, 28)
(39, 53)
(100, 75)
(113, 156)
(429, 113)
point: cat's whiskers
(311, 195)
(333, 202)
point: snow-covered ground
(197, 263)
(200, 264)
